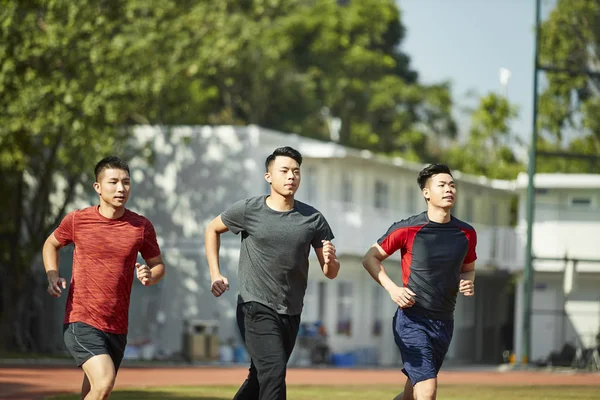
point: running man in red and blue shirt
(107, 239)
(438, 261)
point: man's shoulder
(416, 220)
(82, 213)
(305, 209)
(254, 201)
(462, 224)
(135, 218)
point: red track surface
(34, 382)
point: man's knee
(425, 390)
(103, 392)
(101, 374)
(272, 374)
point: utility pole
(528, 267)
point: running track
(34, 382)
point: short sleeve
(323, 232)
(150, 248)
(65, 231)
(471, 252)
(394, 239)
(235, 216)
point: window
(411, 200)
(381, 195)
(581, 201)
(377, 304)
(344, 317)
(346, 188)
(310, 311)
(494, 214)
(469, 209)
(311, 183)
(321, 301)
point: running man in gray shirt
(277, 233)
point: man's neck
(278, 202)
(439, 215)
(110, 212)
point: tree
(569, 113)
(281, 64)
(488, 150)
(73, 76)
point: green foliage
(569, 113)
(73, 76)
(279, 64)
(488, 149)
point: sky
(466, 42)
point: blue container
(239, 354)
(342, 359)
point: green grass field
(361, 393)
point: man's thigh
(413, 337)
(265, 336)
(84, 342)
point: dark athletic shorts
(84, 342)
(423, 344)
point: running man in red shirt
(107, 239)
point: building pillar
(518, 329)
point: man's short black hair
(430, 171)
(111, 162)
(286, 151)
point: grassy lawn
(362, 393)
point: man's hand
(144, 274)
(466, 287)
(402, 296)
(328, 251)
(56, 284)
(219, 285)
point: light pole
(530, 205)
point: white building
(185, 176)
(197, 172)
(566, 225)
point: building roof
(313, 148)
(320, 149)
(560, 181)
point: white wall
(197, 172)
(194, 174)
(561, 228)
(557, 319)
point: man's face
(441, 191)
(113, 186)
(284, 176)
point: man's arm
(50, 258)
(152, 272)
(328, 260)
(372, 262)
(467, 279)
(212, 243)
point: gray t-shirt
(273, 268)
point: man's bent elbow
(210, 230)
(366, 261)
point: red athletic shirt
(104, 265)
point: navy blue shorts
(423, 344)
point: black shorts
(84, 342)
